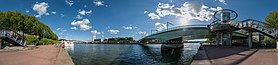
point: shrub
(30, 39)
(269, 40)
(45, 41)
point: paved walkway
(63, 58)
(262, 57)
(44, 55)
(235, 56)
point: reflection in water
(130, 54)
(69, 48)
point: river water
(130, 54)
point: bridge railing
(253, 24)
(261, 26)
(180, 27)
(12, 35)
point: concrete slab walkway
(63, 58)
(236, 56)
(44, 55)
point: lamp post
(152, 31)
(167, 25)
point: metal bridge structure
(224, 28)
(225, 24)
(12, 37)
(184, 33)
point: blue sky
(80, 19)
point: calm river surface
(129, 54)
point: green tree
(45, 41)
(272, 22)
(30, 39)
(14, 20)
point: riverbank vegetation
(272, 22)
(36, 32)
(120, 39)
(115, 40)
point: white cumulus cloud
(153, 16)
(160, 26)
(83, 12)
(73, 28)
(186, 14)
(64, 30)
(77, 23)
(143, 32)
(53, 12)
(99, 3)
(113, 31)
(27, 11)
(85, 27)
(79, 17)
(85, 6)
(94, 32)
(83, 24)
(145, 12)
(127, 27)
(222, 1)
(58, 29)
(216, 9)
(69, 2)
(41, 9)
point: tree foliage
(272, 20)
(210, 40)
(28, 24)
(30, 39)
(45, 41)
(269, 40)
(120, 39)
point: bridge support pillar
(171, 46)
(225, 38)
(250, 39)
(229, 40)
(221, 38)
(217, 38)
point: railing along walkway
(15, 37)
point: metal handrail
(258, 24)
(179, 27)
(11, 34)
(255, 24)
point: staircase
(12, 37)
(254, 26)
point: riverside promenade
(44, 55)
(213, 55)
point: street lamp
(152, 31)
(167, 24)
